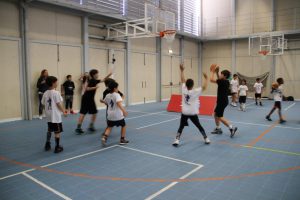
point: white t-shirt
(234, 85)
(278, 94)
(49, 100)
(258, 87)
(243, 90)
(190, 100)
(114, 113)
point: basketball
(275, 85)
(213, 67)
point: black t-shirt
(69, 87)
(91, 94)
(42, 87)
(106, 92)
(223, 91)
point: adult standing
(42, 88)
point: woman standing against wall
(42, 87)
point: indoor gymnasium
(150, 99)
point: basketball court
(142, 43)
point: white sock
(230, 126)
(218, 127)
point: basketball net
(263, 54)
(169, 35)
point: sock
(218, 127)
(57, 141)
(48, 136)
(78, 126)
(230, 126)
(91, 125)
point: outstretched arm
(106, 77)
(204, 86)
(182, 73)
(212, 73)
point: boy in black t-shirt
(222, 98)
(88, 104)
(69, 88)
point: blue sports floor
(261, 162)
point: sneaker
(282, 121)
(176, 142)
(217, 131)
(104, 140)
(40, 117)
(233, 131)
(66, 112)
(235, 105)
(79, 131)
(72, 112)
(260, 104)
(123, 141)
(47, 146)
(206, 141)
(268, 118)
(92, 129)
(256, 103)
(58, 149)
(232, 104)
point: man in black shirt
(69, 88)
(222, 99)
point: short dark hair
(244, 80)
(258, 79)
(69, 76)
(189, 83)
(51, 80)
(93, 72)
(112, 85)
(235, 75)
(280, 81)
(226, 73)
(107, 81)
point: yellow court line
(272, 150)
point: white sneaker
(176, 142)
(40, 117)
(206, 141)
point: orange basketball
(161, 34)
(275, 85)
(213, 67)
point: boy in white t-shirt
(52, 102)
(277, 92)
(115, 113)
(243, 95)
(234, 83)
(258, 86)
(190, 106)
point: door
(166, 77)
(137, 77)
(150, 77)
(175, 60)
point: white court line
(161, 156)
(289, 106)
(157, 123)
(58, 162)
(149, 114)
(47, 187)
(172, 184)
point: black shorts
(257, 95)
(220, 108)
(116, 123)
(88, 106)
(55, 127)
(277, 104)
(184, 119)
(242, 99)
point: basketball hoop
(263, 54)
(169, 35)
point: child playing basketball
(234, 83)
(52, 102)
(68, 88)
(258, 86)
(243, 95)
(190, 106)
(277, 92)
(115, 113)
(222, 99)
(88, 104)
